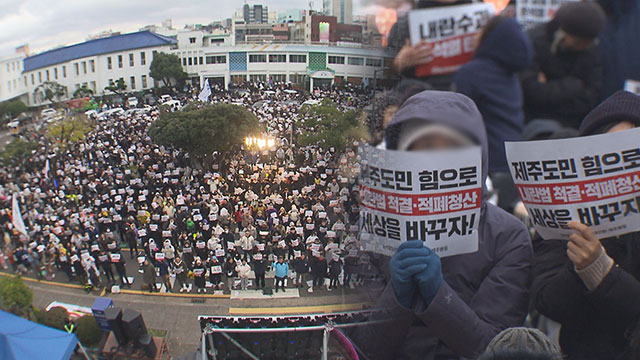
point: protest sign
(430, 196)
(451, 31)
(533, 12)
(594, 180)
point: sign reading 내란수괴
(430, 196)
(594, 180)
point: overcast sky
(44, 24)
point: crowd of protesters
(115, 203)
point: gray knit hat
(523, 338)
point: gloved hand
(430, 279)
(409, 260)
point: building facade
(96, 64)
(11, 83)
(341, 9)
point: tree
(118, 87)
(56, 317)
(50, 91)
(88, 331)
(69, 130)
(17, 151)
(83, 91)
(167, 67)
(203, 131)
(12, 109)
(16, 297)
(327, 126)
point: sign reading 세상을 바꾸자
(594, 180)
(430, 196)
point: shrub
(88, 331)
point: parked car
(165, 98)
(132, 101)
(47, 113)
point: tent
(24, 339)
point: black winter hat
(621, 106)
(583, 19)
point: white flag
(17, 216)
(205, 92)
(46, 169)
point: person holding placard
(591, 285)
(180, 270)
(451, 307)
(149, 276)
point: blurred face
(621, 126)
(434, 142)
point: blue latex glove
(408, 261)
(430, 279)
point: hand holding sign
(413, 55)
(584, 246)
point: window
(374, 62)
(200, 60)
(84, 67)
(277, 58)
(39, 77)
(297, 78)
(92, 64)
(55, 73)
(64, 71)
(47, 72)
(131, 60)
(356, 61)
(195, 60)
(336, 60)
(93, 86)
(258, 78)
(109, 63)
(120, 61)
(257, 58)
(279, 78)
(143, 58)
(144, 81)
(76, 67)
(133, 82)
(192, 40)
(220, 59)
(33, 82)
(25, 80)
(190, 61)
(298, 58)
(184, 61)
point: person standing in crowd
(318, 271)
(163, 271)
(589, 285)
(490, 79)
(199, 279)
(243, 269)
(281, 271)
(215, 272)
(302, 268)
(448, 308)
(119, 262)
(132, 239)
(230, 272)
(149, 275)
(335, 268)
(105, 263)
(259, 269)
(180, 269)
(565, 80)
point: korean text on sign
(451, 31)
(594, 180)
(430, 196)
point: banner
(533, 12)
(16, 220)
(431, 196)
(594, 180)
(451, 31)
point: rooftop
(136, 40)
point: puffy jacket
(282, 270)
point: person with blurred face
(452, 307)
(565, 80)
(591, 286)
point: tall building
(12, 86)
(341, 9)
(255, 14)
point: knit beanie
(522, 338)
(583, 19)
(621, 106)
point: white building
(341, 9)
(97, 63)
(11, 83)
(308, 65)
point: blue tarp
(22, 339)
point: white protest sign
(594, 180)
(430, 196)
(533, 12)
(451, 31)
